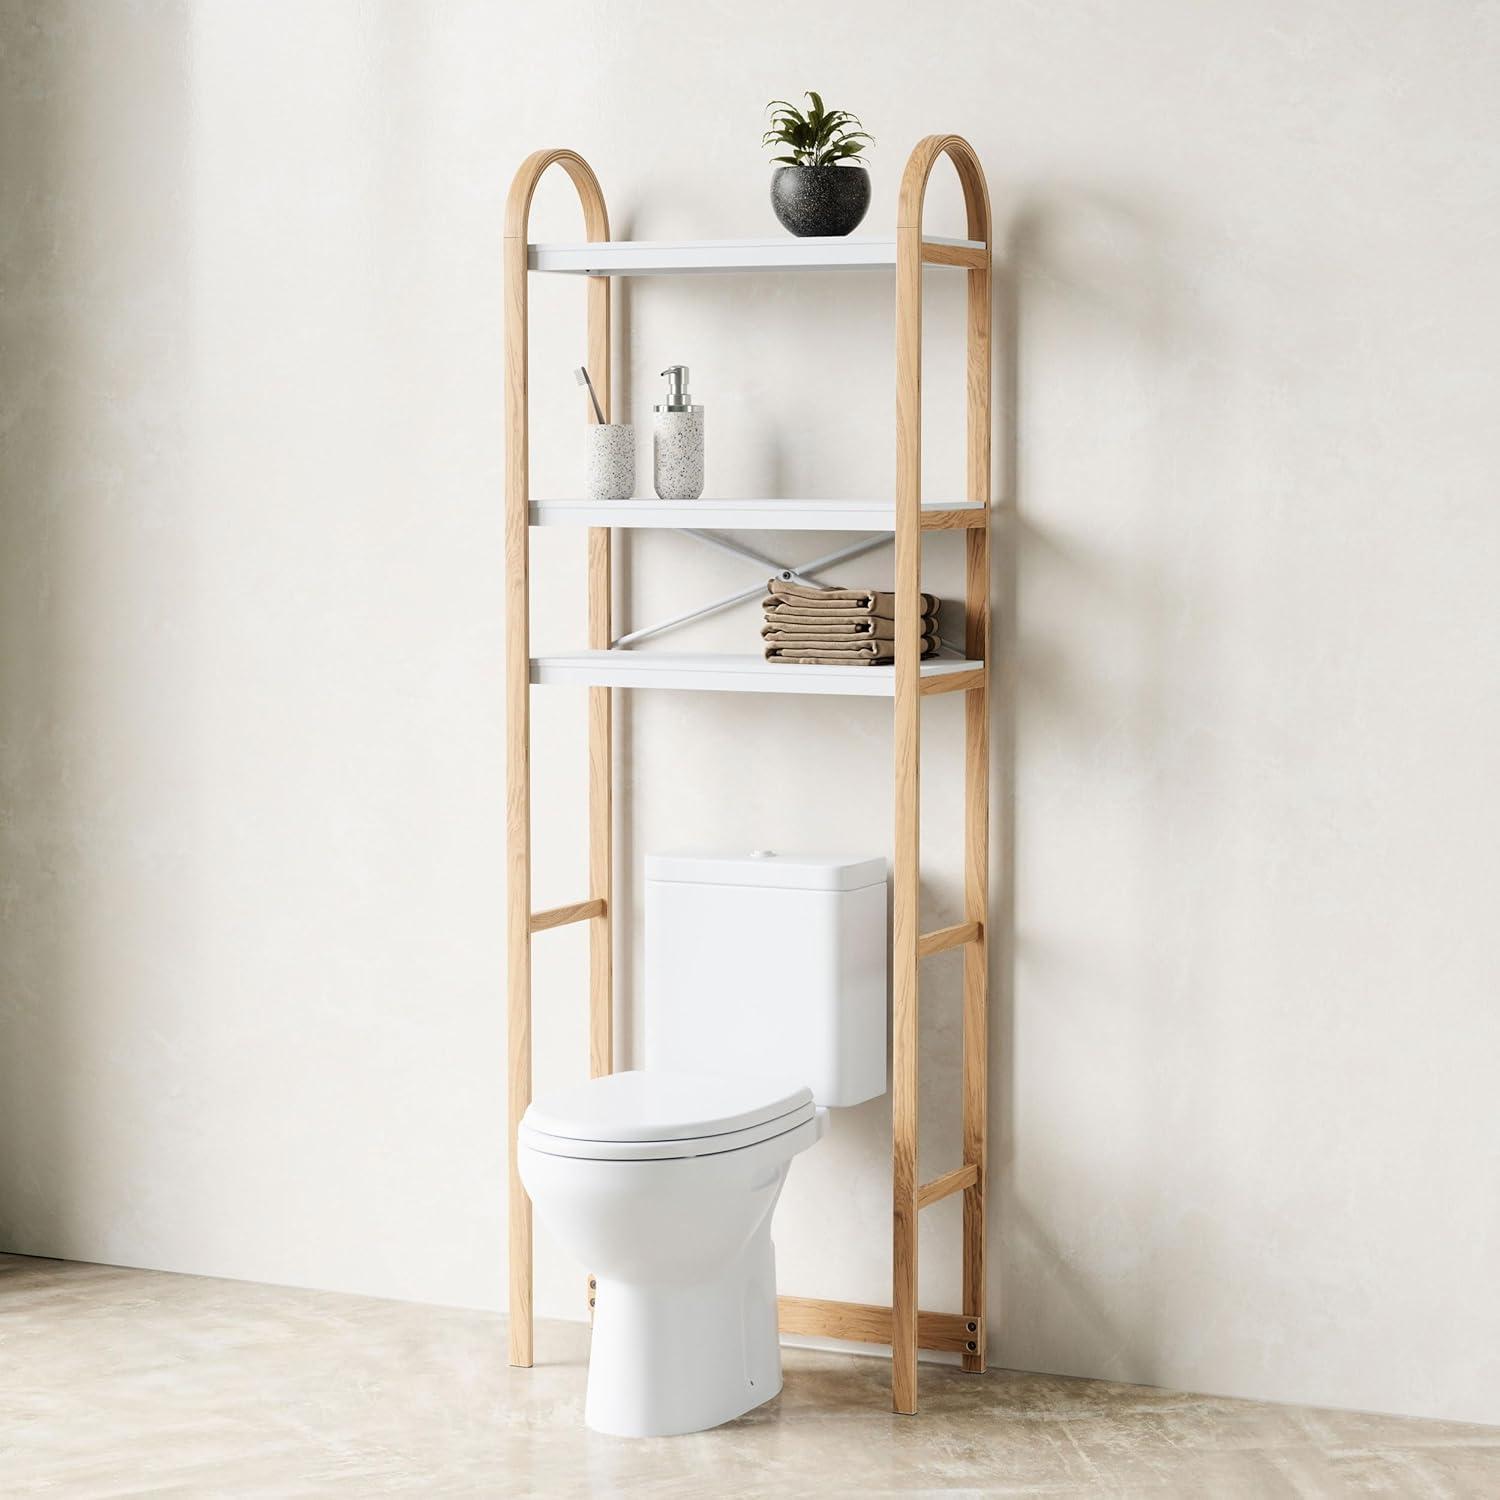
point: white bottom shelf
(712, 673)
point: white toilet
(765, 1005)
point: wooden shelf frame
(902, 1325)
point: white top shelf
(726, 674)
(669, 257)
(746, 515)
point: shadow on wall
(1085, 292)
(93, 328)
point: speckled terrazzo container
(609, 458)
(820, 200)
(677, 443)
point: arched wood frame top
(919, 168)
(523, 185)
(517, 224)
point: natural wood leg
(601, 728)
(976, 954)
(601, 742)
(518, 703)
(517, 790)
(977, 807)
(908, 841)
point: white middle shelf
(700, 672)
(753, 515)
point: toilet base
(670, 1359)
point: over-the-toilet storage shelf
(604, 666)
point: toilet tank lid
(768, 867)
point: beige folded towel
(830, 659)
(824, 616)
(856, 654)
(797, 644)
(843, 603)
(872, 628)
(837, 627)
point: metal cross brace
(800, 574)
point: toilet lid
(681, 1113)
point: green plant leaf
(818, 137)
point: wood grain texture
(946, 1185)
(951, 682)
(518, 697)
(935, 253)
(905, 874)
(601, 725)
(868, 1323)
(560, 916)
(934, 519)
(517, 792)
(943, 938)
(910, 251)
(976, 962)
(601, 880)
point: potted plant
(821, 188)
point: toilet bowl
(664, 1184)
(764, 1003)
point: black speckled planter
(820, 200)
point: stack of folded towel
(851, 627)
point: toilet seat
(653, 1115)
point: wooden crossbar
(946, 1185)
(934, 519)
(949, 937)
(560, 916)
(865, 1323)
(952, 682)
(934, 254)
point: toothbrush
(581, 375)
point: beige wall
(250, 643)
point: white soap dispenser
(677, 441)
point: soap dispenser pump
(677, 440)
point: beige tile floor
(140, 1383)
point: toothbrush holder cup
(609, 452)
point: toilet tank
(769, 965)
